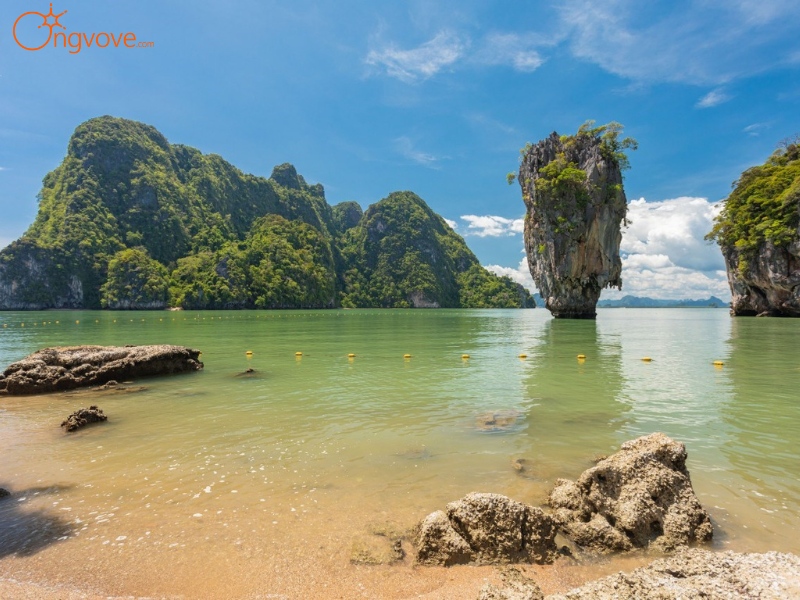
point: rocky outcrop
(4, 492)
(695, 574)
(639, 497)
(66, 368)
(486, 529)
(767, 284)
(572, 188)
(83, 417)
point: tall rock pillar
(572, 188)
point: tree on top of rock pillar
(572, 189)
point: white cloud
(701, 42)
(421, 62)
(521, 274)
(406, 147)
(713, 98)
(453, 224)
(674, 228)
(664, 254)
(754, 130)
(492, 226)
(510, 49)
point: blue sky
(432, 96)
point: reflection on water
(763, 420)
(264, 480)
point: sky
(431, 96)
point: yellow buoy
(718, 363)
(406, 356)
(249, 353)
(646, 359)
(5, 325)
(465, 356)
(351, 355)
(22, 324)
(523, 356)
(77, 322)
(298, 354)
(581, 357)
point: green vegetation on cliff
(130, 221)
(763, 207)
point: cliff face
(572, 188)
(767, 284)
(758, 232)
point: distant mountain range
(637, 302)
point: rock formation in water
(486, 529)
(639, 497)
(66, 368)
(130, 221)
(695, 574)
(758, 231)
(572, 188)
(515, 586)
(83, 417)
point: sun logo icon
(49, 20)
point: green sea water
(218, 463)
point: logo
(30, 26)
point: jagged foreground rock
(486, 529)
(572, 188)
(66, 368)
(639, 497)
(694, 574)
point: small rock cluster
(82, 417)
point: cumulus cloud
(713, 98)
(453, 224)
(663, 252)
(406, 147)
(521, 274)
(492, 226)
(421, 62)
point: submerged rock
(4, 492)
(66, 368)
(496, 421)
(638, 497)
(82, 417)
(486, 529)
(572, 189)
(695, 574)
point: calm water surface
(217, 478)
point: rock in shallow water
(486, 529)
(82, 417)
(638, 497)
(66, 368)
